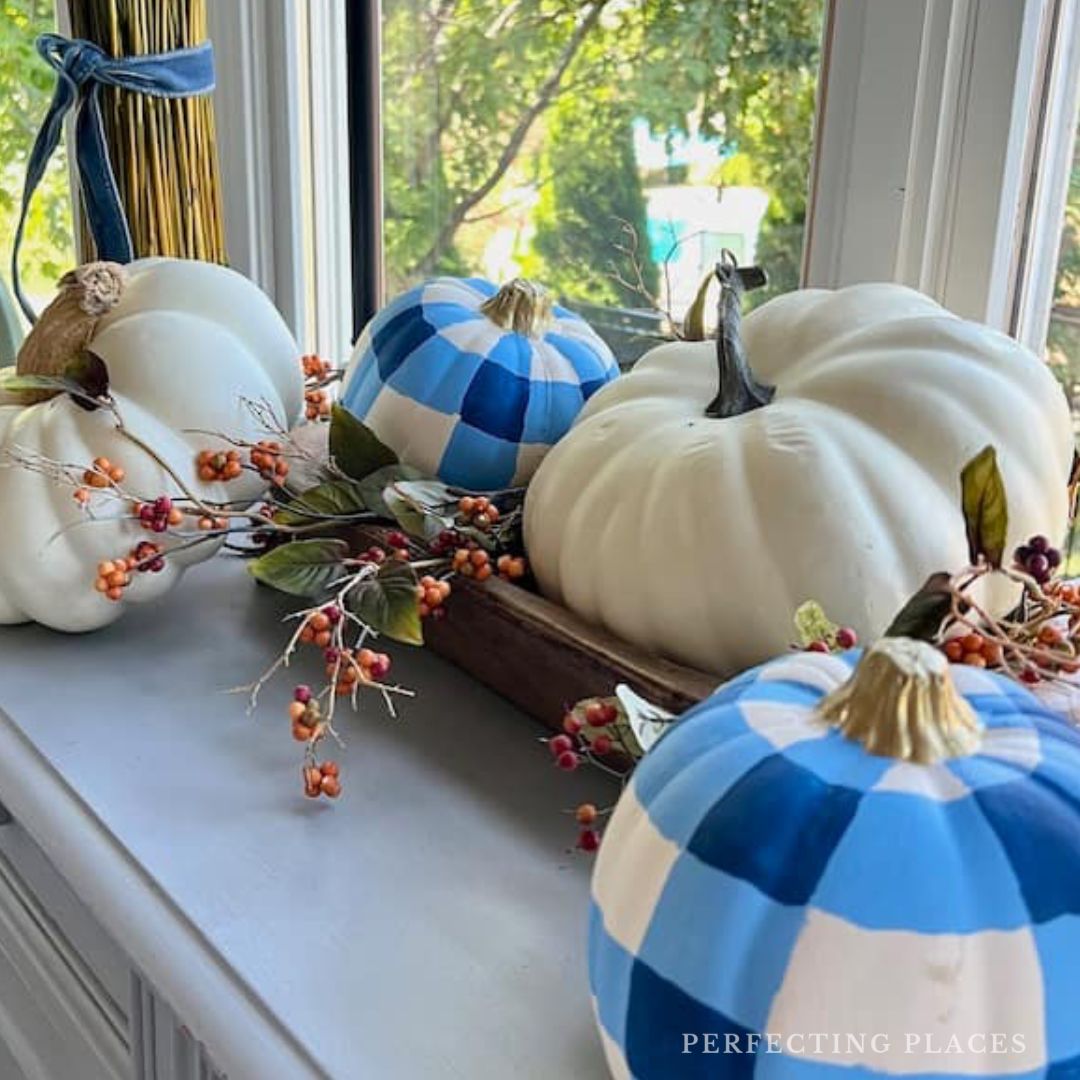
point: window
(26, 86)
(608, 149)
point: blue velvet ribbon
(82, 68)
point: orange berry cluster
(266, 456)
(346, 668)
(218, 465)
(102, 474)
(114, 575)
(316, 404)
(315, 367)
(478, 510)
(1069, 594)
(212, 524)
(322, 779)
(430, 595)
(318, 627)
(974, 650)
(472, 562)
(305, 714)
(510, 567)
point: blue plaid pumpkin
(771, 899)
(474, 384)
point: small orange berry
(114, 593)
(478, 557)
(974, 659)
(483, 573)
(331, 786)
(954, 650)
(972, 643)
(320, 621)
(297, 711)
(302, 733)
(323, 639)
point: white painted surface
(430, 924)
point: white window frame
(964, 200)
(284, 156)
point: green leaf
(986, 510)
(302, 567)
(336, 502)
(387, 603)
(85, 377)
(812, 624)
(373, 486)
(416, 505)
(355, 447)
(921, 617)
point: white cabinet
(71, 1005)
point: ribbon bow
(82, 68)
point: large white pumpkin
(185, 344)
(699, 537)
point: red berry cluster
(430, 596)
(218, 465)
(158, 515)
(324, 779)
(1037, 558)
(267, 457)
(445, 542)
(844, 638)
(568, 747)
(315, 367)
(316, 404)
(472, 562)
(478, 510)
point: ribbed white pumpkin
(184, 345)
(699, 537)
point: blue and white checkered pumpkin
(473, 384)
(771, 899)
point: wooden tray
(542, 657)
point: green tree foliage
(26, 86)
(590, 200)
(472, 86)
(1063, 344)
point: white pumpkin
(184, 345)
(698, 537)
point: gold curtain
(163, 150)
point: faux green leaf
(418, 505)
(387, 603)
(302, 567)
(373, 486)
(85, 377)
(921, 617)
(812, 624)
(986, 510)
(355, 447)
(337, 502)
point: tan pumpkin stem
(67, 325)
(901, 702)
(521, 306)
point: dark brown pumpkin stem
(739, 392)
